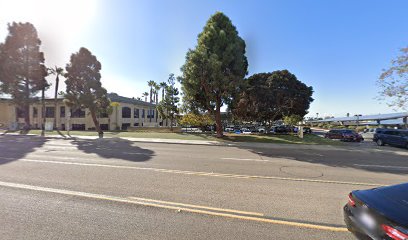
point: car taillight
(351, 200)
(394, 233)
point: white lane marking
(210, 174)
(381, 166)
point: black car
(379, 213)
(395, 137)
(344, 135)
(281, 129)
(307, 130)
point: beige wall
(8, 116)
(7, 113)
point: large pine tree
(214, 70)
(84, 87)
(22, 69)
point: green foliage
(22, 69)
(84, 87)
(394, 82)
(270, 96)
(168, 108)
(292, 119)
(214, 70)
(199, 120)
(151, 84)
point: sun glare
(60, 23)
(64, 14)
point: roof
(112, 96)
(116, 98)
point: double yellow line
(179, 207)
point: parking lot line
(139, 201)
(209, 174)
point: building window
(125, 126)
(78, 127)
(20, 113)
(78, 113)
(143, 113)
(62, 111)
(104, 127)
(35, 112)
(136, 113)
(150, 113)
(126, 112)
(49, 112)
(136, 124)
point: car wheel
(380, 142)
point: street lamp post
(358, 119)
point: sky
(339, 47)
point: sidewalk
(152, 140)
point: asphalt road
(117, 189)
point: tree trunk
(218, 118)
(55, 102)
(97, 127)
(26, 107)
(27, 116)
(43, 110)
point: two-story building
(127, 112)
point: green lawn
(310, 139)
(285, 139)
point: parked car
(395, 137)
(245, 131)
(369, 132)
(344, 135)
(307, 130)
(280, 129)
(379, 213)
(261, 130)
(229, 129)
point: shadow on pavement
(114, 148)
(382, 160)
(15, 147)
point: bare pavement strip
(219, 212)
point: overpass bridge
(377, 119)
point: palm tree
(163, 86)
(145, 94)
(151, 84)
(56, 71)
(156, 91)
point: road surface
(118, 189)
